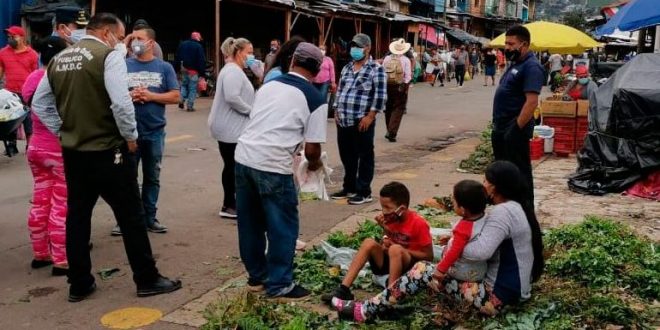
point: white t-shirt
(287, 111)
(555, 62)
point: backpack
(394, 70)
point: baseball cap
(310, 54)
(306, 50)
(71, 14)
(196, 36)
(581, 70)
(15, 30)
(361, 40)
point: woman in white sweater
(230, 112)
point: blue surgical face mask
(76, 35)
(583, 81)
(357, 53)
(249, 61)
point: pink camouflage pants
(47, 218)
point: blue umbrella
(635, 15)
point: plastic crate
(581, 132)
(561, 125)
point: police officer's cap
(71, 14)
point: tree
(576, 19)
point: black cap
(140, 23)
(71, 14)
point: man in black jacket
(191, 61)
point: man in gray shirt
(461, 57)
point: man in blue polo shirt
(516, 99)
(153, 84)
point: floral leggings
(419, 278)
(47, 218)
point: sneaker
(181, 106)
(298, 292)
(342, 195)
(340, 292)
(116, 231)
(255, 286)
(228, 212)
(190, 109)
(156, 227)
(349, 310)
(359, 200)
(390, 137)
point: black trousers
(460, 74)
(511, 143)
(90, 174)
(228, 177)
(356, 150)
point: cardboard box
(565, 109)
(583, 108)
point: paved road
(200, 248)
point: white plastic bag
(313, 183)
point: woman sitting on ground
(510, 241)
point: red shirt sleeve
(461, 236)
(423, 234)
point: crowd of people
(98, 113)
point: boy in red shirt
(407, 240)
(469, 199)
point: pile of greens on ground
(598, 274)
(482, 156)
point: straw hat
(399, 47)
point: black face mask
(512, 55)
(13, 43)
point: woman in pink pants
(47, 218)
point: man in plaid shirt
(361, 94)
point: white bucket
(547, 133)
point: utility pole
(444, 10)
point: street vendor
(582, 86)
(510, 242)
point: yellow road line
(178, 138)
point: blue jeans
(356, 150)
(267, 207)
(189, 89)
(150, 152)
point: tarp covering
(462, 36)
(635, 15)
(623, 144)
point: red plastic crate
(582, 124)
(581, 133)
(561, 125)
(564, 144)
(565, 134)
